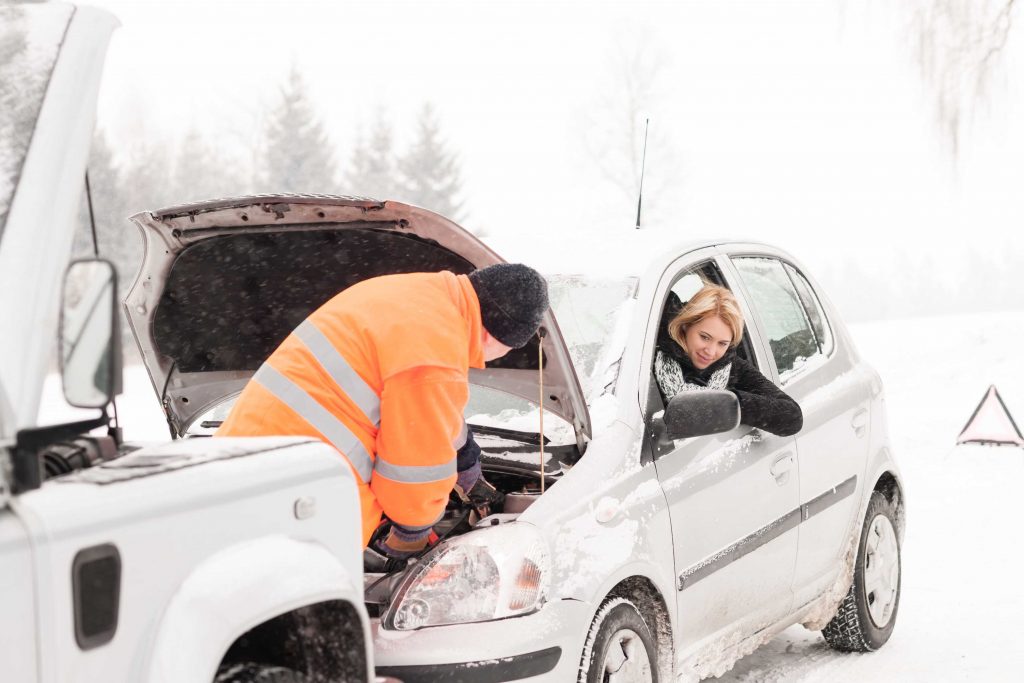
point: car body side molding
(766, 534)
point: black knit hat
(513, 299)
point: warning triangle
(991, 423)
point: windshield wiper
(531, 438)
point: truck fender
(239, 588)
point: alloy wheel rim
(881, 570)
(627, 659)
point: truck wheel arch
(238, 589)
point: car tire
(250, 672)
(867, 615)
(619, 647)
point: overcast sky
(800, 123)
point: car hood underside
(224, 282)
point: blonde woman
(697, 351)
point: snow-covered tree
(118, 240)
(616, 127)
(190, 179)
(373, 169)
(958, 45)
(202, 172)
(298, 155)
(429, 171)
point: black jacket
(762, 404)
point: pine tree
(298, 155)
(189, 179)
(372, 172)
(202, 172)
(429, 172)
(119, 241)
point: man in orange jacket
(381, 372)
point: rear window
(790, 336)
(30, 38)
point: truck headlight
(487, 574)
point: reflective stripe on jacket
(380, 372)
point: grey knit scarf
(669, 374)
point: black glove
(481, 496)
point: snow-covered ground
(963, 596)
(959, 617)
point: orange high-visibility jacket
(381, 373)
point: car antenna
(643, 163)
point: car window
(790, 337)
(815, 314)
(688, 283)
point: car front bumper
(544, 646)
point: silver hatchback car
(638, 541)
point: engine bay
(516, 465)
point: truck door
(17, 593)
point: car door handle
(781, 467)
(859, 422)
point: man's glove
(391, 548)
(475, 491)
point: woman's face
(707, 341)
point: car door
(819, 372)
(731, 498)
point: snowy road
(959, 617)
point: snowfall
(959, 614)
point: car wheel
(867, 615)
(250, 672)
(619, 646)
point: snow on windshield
(588, 310)
(30, 38)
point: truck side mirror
(699, 413)
(90, 343)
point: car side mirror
(699, 413)
(90, 348)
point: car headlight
(489, 573)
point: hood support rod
(540, 372)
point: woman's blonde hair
(710, 300)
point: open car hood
(223, 282)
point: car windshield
(30, 38)
(588, 310)
(591, 313)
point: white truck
(197, 560)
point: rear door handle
(859, 422)
(781, 467)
